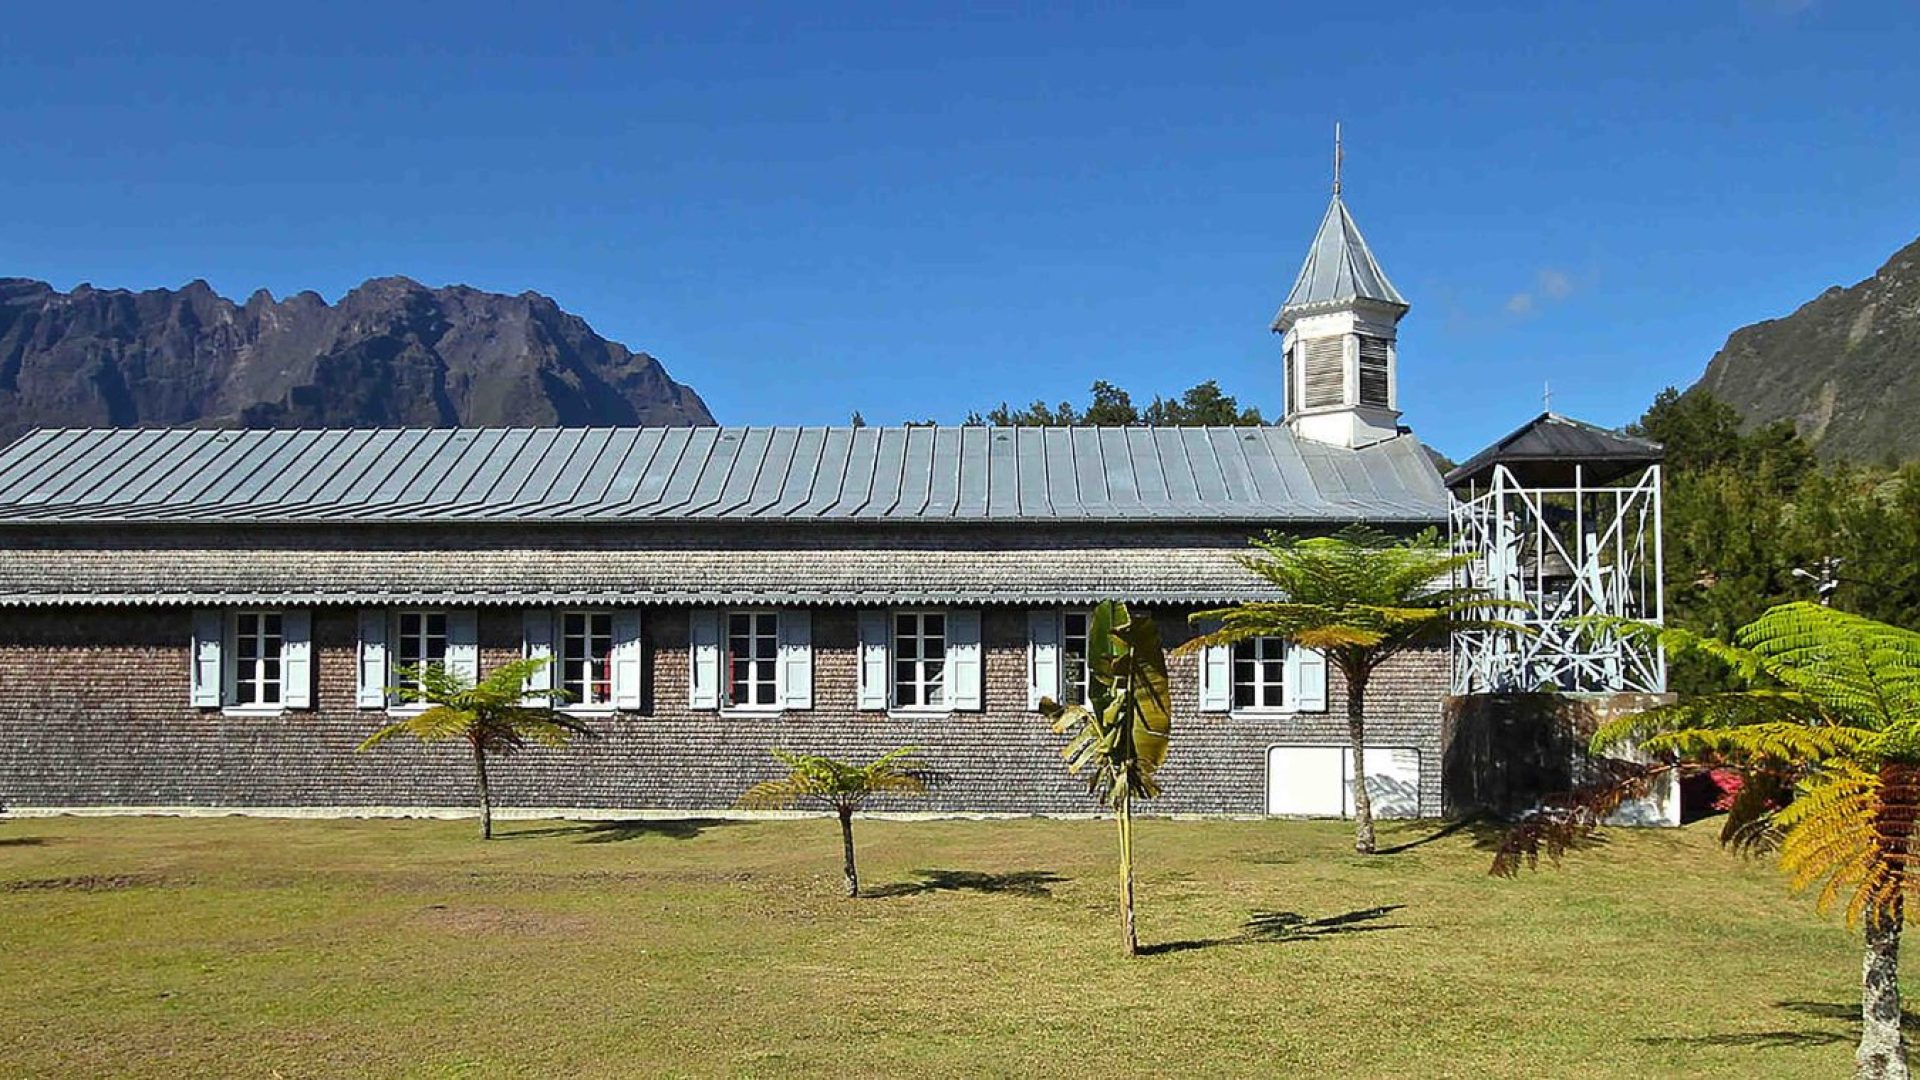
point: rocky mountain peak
(391, 352)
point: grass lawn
(249, 947)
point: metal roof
(760, 474)
(1340, 268)
(1546, 449)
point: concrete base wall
(94, 713)
(1505, 752)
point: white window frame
(582, 703)
(1279, 647)
(230, 676)
(1071, 679)
(395, 661)
(773, 681)
(920, 682)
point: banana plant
(1118, 739)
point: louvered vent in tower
(1325, 374)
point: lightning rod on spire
(1339, 156)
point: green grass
(247, 947)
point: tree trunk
(1123, 814)
(486, 792)
(846, 849)
(1357, 734)
(1883, 1046)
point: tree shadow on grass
(1482, 829)
(610, 832)
(1036, 883)
(1289, 926)
(22, 841)
(1839, 1012)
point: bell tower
(1338, 330)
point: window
(1074, 672)
(1374, 389)
(753, 649)
(1325, 375)
(1259, 673)
(258, 652)
(420, 639)
(586, 657)
(919, 660)
(1292, 393)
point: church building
(199, 620)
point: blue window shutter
(536, 629)
(796, 658)
(703, 659)
(1043, 656)
(1306, 679)
(963, 660)
(876, 630)
(628, 665)
(208, 664)
(370, 691)
(296, 658)
(1216, 679)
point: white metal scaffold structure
(1565, 518)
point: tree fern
(1831, 714)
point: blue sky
(804, 209)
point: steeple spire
(1338, 328)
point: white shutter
(963, 660)
(796, 658)
(1306, 679)
(371, 692)
(1216, 679)
(703, 659)
(296, 659)
(209, 638)
(463, 644)
(628, 668)
(536, 634)
(875, 630)
(1043, 656)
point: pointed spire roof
(1340, 268)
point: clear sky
(804, 209)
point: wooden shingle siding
(94, 711)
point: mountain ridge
(1844, 367)
(390, 352)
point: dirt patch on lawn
(86, 883)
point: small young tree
(1830, 712)
(1119, 737)
(493, 716)
(1361, 597)
(841, 786)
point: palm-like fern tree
(1832, 704)
(1119, 737)
(496, 716)
(841, 786)
(1361, 597)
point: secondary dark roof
(1546, 449)
(1250, 474)
(1340, 268)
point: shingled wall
(94, 713)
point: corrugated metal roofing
(1255, 474)
(1546, 449)
(1340, 268)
